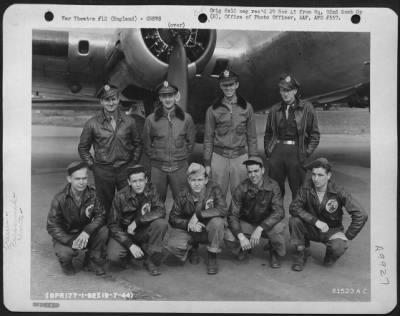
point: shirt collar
(230, 102)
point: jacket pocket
(241, 129)
(222, 129)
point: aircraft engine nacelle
(147, 51)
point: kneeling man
(76, 221)
(256, 211)
(137, 222)
(198, 214)
(317, 215)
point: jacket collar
(130, 194)
(266, 186)
(103, 117)
(298, 104)
(159, 112)
(240, 101)
(86, 193)
(331, 187)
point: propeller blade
(178, 71)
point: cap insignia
(226, 73)
(165, 84)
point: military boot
(301, 258)
(194, 257)
(329, 259)
(151, 267)
(95, 265)
(68, 268)
(212, 265)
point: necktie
(112, 121)
(287, 111)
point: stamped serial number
(349, 291)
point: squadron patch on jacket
(331, 206)
(209, 203)
(145, 208)
(89, 211)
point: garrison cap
(319, 163)
(288, 81)
(107, 91)
(227, 76)
(166, 88)
(196, 169)
(254, 160)
(76, 165)
(135, 169)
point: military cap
(254, 160)
(228, 75)
(76, 165)
(135, 169)
(288, 81)
(319, 163)
(196, 169)
(166, 88)
(107, 91)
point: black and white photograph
(223, 161)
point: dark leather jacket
(230, 134)
(258, 206)
(66, 220)
(307, 129)
(128, 207)
(169, 139)
(307, 207)
(116, 147)
(211, 204)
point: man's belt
(286, 142)
(230, 152)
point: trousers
(228, 172)
(161, 179)
(95, 247)
(276, 235)
(107, 179)
(149, 238)
(284, 162)
(181, 241)
(301, 233)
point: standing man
(137, 222)
(291, 136)
(230, 134)
(257, 211)
(198, 215)
(317, 215)
(168, 136)
(116, 143)
(76, 223)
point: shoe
(329, 260)
(151, 267)
(275, 262)
(242, 256)
(94, 266)
(194, 257)
(212, 265)
(301, 259)
(68, 269)
(79, 259)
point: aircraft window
(83, 47)
(220, 65)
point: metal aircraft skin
(73, 64)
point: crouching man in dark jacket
(76, 222)
(317, 215)
(198, 214)
(256, 211)
(137, 222)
